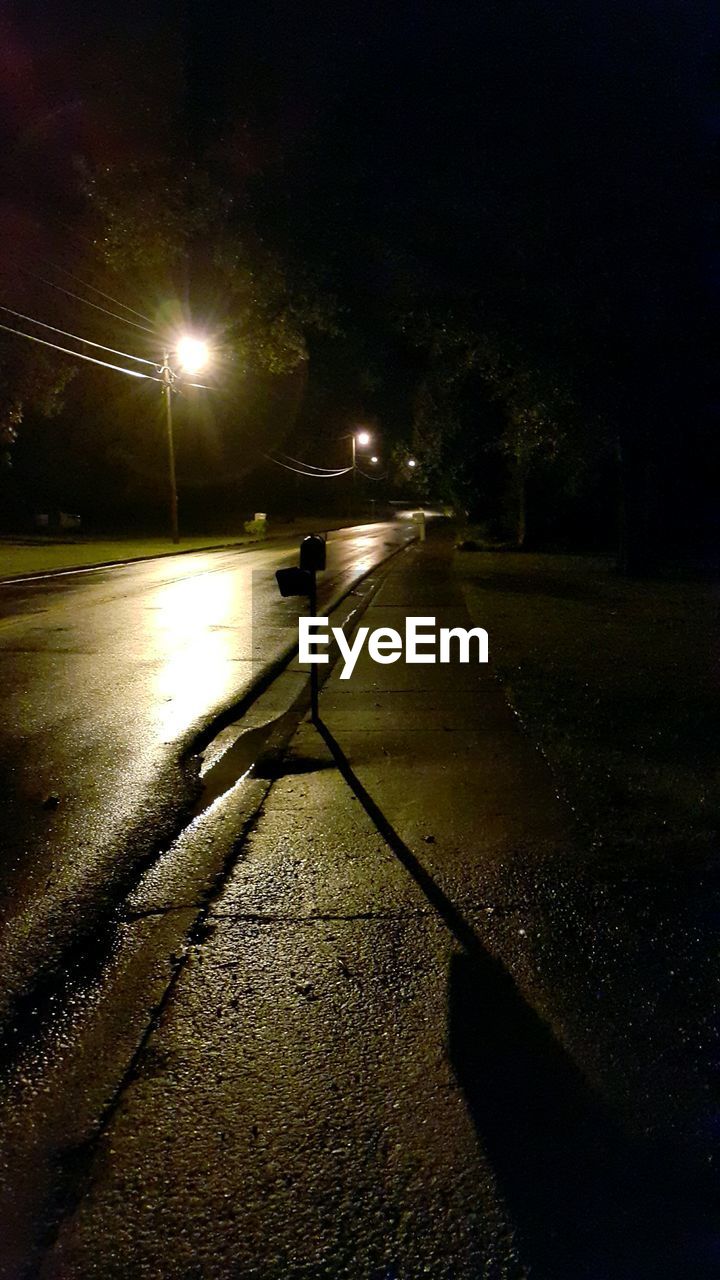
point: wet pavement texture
(415, 1031)
(108, 678)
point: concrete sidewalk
(368, 1067)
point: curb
(230, 714)
(45, 979)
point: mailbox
(294, 581)
(312, 553)
(418, 519)
(302, 581)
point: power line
(311, 465)
(313, 475)
(93, 288)
(66, 334)
(131, 373)
(68, 293)
(101, 294)
(99, 345)
(369, 475)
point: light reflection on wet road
(107, 678)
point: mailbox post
(302, 581)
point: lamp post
(359, 437)
(168, 378)
(363, 438)
(192, 355)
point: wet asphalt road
(108, 678)
(421, 1030)
(416, 1027)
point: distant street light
(358, 438)
(192, 355)
(412, 462)
(374, 459)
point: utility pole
(168, 378)
(356, 438)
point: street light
(192, 355)
(358, 438)
(412, 462)
(374, 459)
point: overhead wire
(93, 289)
(87, 341)
(105, 364)
(369, 475)
(96, 307)
(55, 266)
(99, 345)
(313, 475)
(311, 465)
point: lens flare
(192, 353)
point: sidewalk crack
(262, 917)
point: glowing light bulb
(192, 353)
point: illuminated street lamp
(358, 438)
(191, 355)
(412, 462)
(374, 459)
(362, 438)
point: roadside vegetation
(44, 555)
(617, 683)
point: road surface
(108, 678)
(379, 1011)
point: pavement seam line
(322, 917)
(264, 917)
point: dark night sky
(440, 107)
(555, 158)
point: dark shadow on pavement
(588, 1201)
(274, 765)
